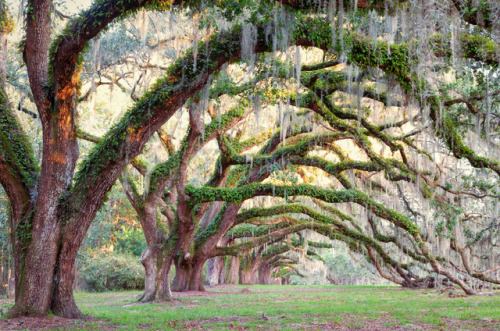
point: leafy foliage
(112, 272)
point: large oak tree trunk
(151, 259)
(34, 290)
(188, 276)
(232, 275)
(162, 283)
(63, 301)
(150, 263)
(215, 271)
(215, 267)
(60, 153)
(195, 279)
(249, 275)
(265, 272)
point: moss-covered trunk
(36, 265)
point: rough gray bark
(215, 268)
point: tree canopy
(373, 123)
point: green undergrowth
(295, 307)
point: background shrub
(111, 272)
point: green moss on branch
(239, 194)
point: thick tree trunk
(195, 281)
(179, 278)
(150, 263)
(60, 153)
(162, 283)
(63, 301)
(250, 275)
(188, 276)
(215, 268)
(150, 259)
(34, 290)
(265, 272)
(232, 275)
(35, 261)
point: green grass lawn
(292, 308)
(295, 307)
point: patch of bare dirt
(214, 290)
(49, 323)
(191, 294)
